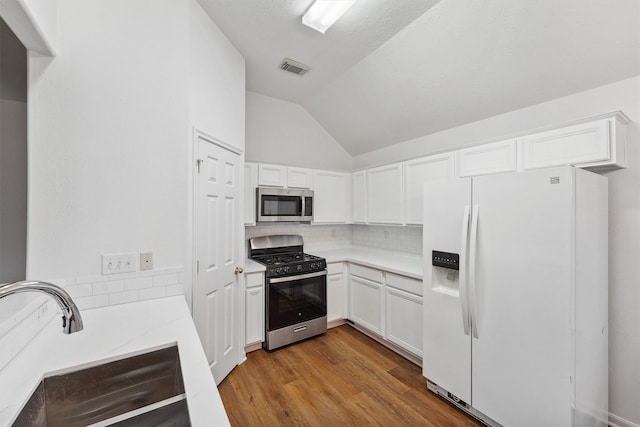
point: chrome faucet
(71, 319)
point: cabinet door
(254, 303)
(416, 173)
(335, 297)
(298, 178)
(571, 145)
(254, 315)
(366, 300)
(329, 197)
(272, 175)
(488, 158)
(384, 194)
(359, 185)
(404, 320)
(250, 184)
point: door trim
(192, 203)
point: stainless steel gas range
(296, 289)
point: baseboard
(253, 347)
(402, 352)
(616, 421)
(335, 323)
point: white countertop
(109, 333)
(251, 266)
(396, 262)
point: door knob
(238, 270)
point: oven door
(295, 299)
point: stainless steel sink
(142, 390)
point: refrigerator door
(446, 339)
(522, 357)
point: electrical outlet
(118, 263)
(146, 261)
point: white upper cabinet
(385, 194)
(488, 158)
(416, 173)
(272, 175)
(283, 176)
(298, 178)
(359, 187)
(250, 184)
(330, 197)
(597, 143)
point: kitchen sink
(142, 390)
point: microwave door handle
(298, 277)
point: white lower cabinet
(404, 320)
(336, 301)
(254, 300)
(366, 304)
(388, 305)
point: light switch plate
(118, 263)
(146, 261)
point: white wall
(282, 132)
(34, 22)
(216, 80)
(624, 213)
(108, 137)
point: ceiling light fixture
(323, 13)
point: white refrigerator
(515, 296)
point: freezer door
(521, 364)
(446, 344)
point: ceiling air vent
(294, 67)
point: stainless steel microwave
(284, 204)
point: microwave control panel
(445, 259)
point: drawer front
(405, 283)
(335, 268)
(254, 279)
(366, 272)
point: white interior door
(446, 345)
(522, 355)
(216, 285)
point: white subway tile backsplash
(108, 287)
(93, 301)
(77, 291)
(124, 297)
(153, 293)
(175, 290)
(87, 292)
(166, 279)
(138, 283)
(326, 237)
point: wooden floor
(342, 378)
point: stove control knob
(285, 269)
(299, 267)
(279, 270)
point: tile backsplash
(87, 292)
(100, 291)
(327, 237)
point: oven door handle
(298, 277)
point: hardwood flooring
(342, 378)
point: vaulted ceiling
(393, 70)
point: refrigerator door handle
(464, 245)
(473, 309)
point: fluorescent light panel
(323, 13)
